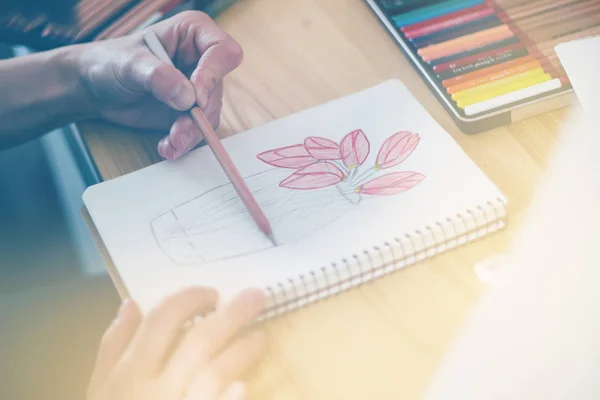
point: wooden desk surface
(385, 339)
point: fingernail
(163, 148)
(168, 151)
(182, 97)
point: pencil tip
(272, 239)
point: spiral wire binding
(373, 263)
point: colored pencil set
(487, 55)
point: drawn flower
(390, 184)
(288, 157)
(354, 149)
(314, 176)
(396, 149)
(322, 148)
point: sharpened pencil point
(272, 239)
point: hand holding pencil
(151, 92)
(219, 151)
(148, 93)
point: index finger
(164, 326)
(210, 335)
(194, 40)
(220, 55)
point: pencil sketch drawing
(309, 186)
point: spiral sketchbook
(355, 189)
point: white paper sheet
(176, 224)
(581, 58)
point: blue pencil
(433, 11)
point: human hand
(163, 357)
(130, 86)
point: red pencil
(447, 21)
(475, 58)
(465, 43)
(219, 151)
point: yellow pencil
(497, 84)
(522, 84)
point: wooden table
(384, 340)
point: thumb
(165, 82)
(115, 342)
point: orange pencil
(487, 71)
(497, 84)
(219, 151)
(494, 77)
(465, 43)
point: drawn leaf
(287, 157)
(314, 176)
(392, 183)
(354, 149)
(396, 149)
(322, 148)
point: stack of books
(90, 20)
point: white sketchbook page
(581, 58)
(319, 231)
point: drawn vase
(216, 225)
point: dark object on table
(43, 25)
(213, 7)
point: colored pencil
(399, 6)
(534, 8)
(447, 21)
(512, 87)
(488, 62)
(439, 68)
(574, 12)
(490, 86)
(458, 31)
(489, 54)
(560, 28)
(127, 22)
(475, 50)
(486, 71)
(465, 43)
(588, 31)
(433, 11)
(504, 73)
(514, 97)
(219, 151)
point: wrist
(71, 89)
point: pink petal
(354, 148)
(393, 183)
(314, 176)
(396, 149)
(322, 148)
(287, 157)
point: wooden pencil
(563, 28)
(504, 73)
(464, 43)
(219, 151)
(573, 12)
(132, 18)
